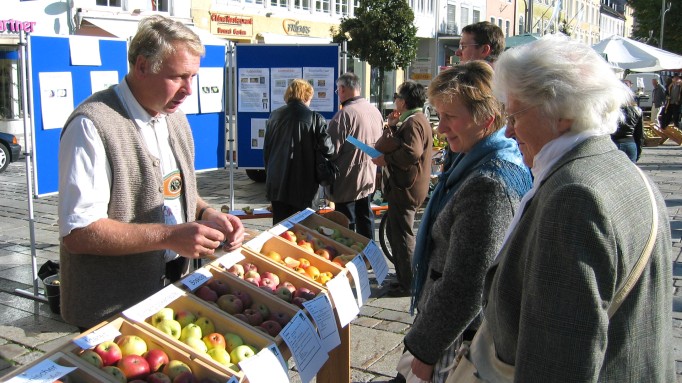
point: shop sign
(15, 26)
(295, 28)
(231, 25)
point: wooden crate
(671, 133)
(314, 221)
(84, 372)
(288, 249)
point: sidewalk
(28, 329)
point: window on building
(342, 7)
(10, 84)
(322, 6)
(302, 4)
(278, 3)
(451, 23)
(499, 23)
(108, 3)
(477, 16)
(521, 26)
(492, 20)
(465, 16)
(507, 28)
(160, 5)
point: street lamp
(663, 12)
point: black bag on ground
(48, 269)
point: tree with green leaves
(383, 34)
(647, 28)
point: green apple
(185, 317)
(241, 352)
(93, 358)
(232, 340)
(196, 344)
(116, 373)
(220, 355)
(164, 313)
(171, 327)
(175, 368)
(131, 345)
(190, 331)
(206, 325)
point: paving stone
(11, 351)
(396, 327)
(386, 364)
(28, 357)
(392, 315)
(369, 345)
(366, 322)
(34, 330)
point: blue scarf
(495, 146)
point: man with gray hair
(128, 198)
(657, 101)
(353, 188)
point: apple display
(289, 286)
(291, 262)
(232, 340)
(185, 377)
(253, 281)
(116, 373)
(237, 269)
(185, 317)
(284, 293)
(274, 256)
(289, 236)
(270, 275)
(196, 344)
(304, 292)
(170, 327)
(253, 316)
(174, 368)
(252, 274)
(264, 310)
(269, 282)
(273, 328)
(214, 340)
(249, 267)
(230, 304)
(280, 317)
(109, 351)
(220, 355)
(131, 345)
(219, 286)
(157, 358)
(190, 331)
(164, 313)
(158, 377)
(324, 253)
(206, 325)
(93, 358)
(313, 272)
(241, 353)
(134, 367)
(244, 297)
(206, 293)
(298, 301)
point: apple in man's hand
(134, 367)
(109, 351)
(157, 359)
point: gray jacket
(549, 290)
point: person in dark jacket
(293, 134)
(628, 136)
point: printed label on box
(197, 278)
(96, 337)
(305, 345)
(46, 371)
(154, 303)
(344, 300)
(358, 270)
(377, 260)
(320, 308)
(229, 259)
(264, 367)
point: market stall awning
(274, 38)
(122, 28)
(629, 54)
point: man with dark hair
(480, 41)
(128, 196)
(352, 190)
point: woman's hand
(422, 370)
(380, 161)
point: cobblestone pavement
(28, 328)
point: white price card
(281, 227)
(320, 308)
(46, 371)
(358, 270)
(154, 303)
(344, 300)
(275, 351)
(96, 337)
(264, 367)
(231, 258)
(377, 260)
(257, 243)
(301, 215)
(300, 335)
(197, 278)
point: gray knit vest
(95, 287)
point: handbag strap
(637, 270)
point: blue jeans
(630, 148)
(360, 215)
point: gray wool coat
(549, 290)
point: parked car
(10, 150)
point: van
(643, 79)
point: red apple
(253, 316)
(237, 269)
(156, 358)
(230, 304)
(219, 286)
(284, 293)
(289, 236)
(250, 267)
(268, 282)
(243, 296)
(214, 340)
(304, 292)
(289, 286)
(206, 293)
(273, 328)
(134, 367)
(271, 276)
(109, 352)
(252, 281)
(241, 317)
(324, 253)
(281, 318)
(298, 301)
(158, 377)
(253, 274)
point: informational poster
(254, 90)
(420, 71)
(56, 90)
(322, 80)
(281, 78)
(257, 132)
(191, 103)
(84, 50)
(211, 90)
(100, 80)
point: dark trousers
(400, 233)
(360, 214)
(282, 210)
(671, 114)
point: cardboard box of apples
(138, 355)
(206, 333)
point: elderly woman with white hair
(550, 298)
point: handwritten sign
(96, 337)
(154, 303)
(344, 300)
(197, 278)
(377, 260)
(358, 270)
(300, 335)
(46, 371)
(320, 308)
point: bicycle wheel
(383, 239)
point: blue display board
(261, 70)
(51, 56)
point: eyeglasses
(511, 120)
(463, 46)
(397, 96)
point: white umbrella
(626, 53)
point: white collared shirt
(84, 194)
